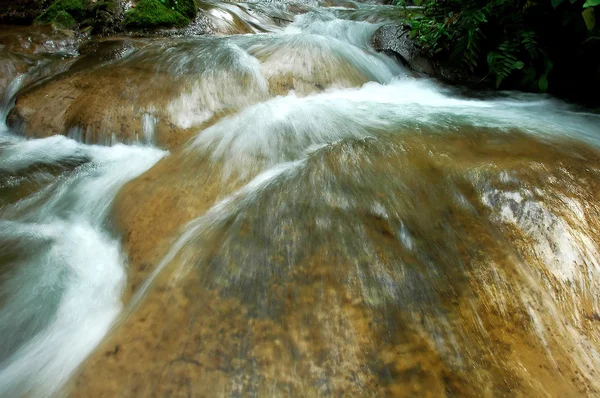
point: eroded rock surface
(158, 91)
(388, 272)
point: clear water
(329, 224)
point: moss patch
(64, 20)
(103, 15)
(188, 8)
(154, 14)
(74, 8)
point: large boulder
(103, 16)
(395, 40)
(375, 271)
(109, 106)
(130, 90)
(38, 40)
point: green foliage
(153, 14)
(188, 8)
(75, 8)
(64, 20)
(504, 60)
(514, 41)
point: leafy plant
(509, 40)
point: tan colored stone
(238, 311)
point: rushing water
(324, 223)
(62, 269)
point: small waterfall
(62, 271)
(325, 223)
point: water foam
(61, 292)
(281, 129)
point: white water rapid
(279, 210)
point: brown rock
(289, 293)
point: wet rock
(160, 202)
(395, 40)
(293, 292)
(105, 17)
(30, 40)
(19, 12)
(95, 53)
(31, 54)
(109, 49)
(141, 90)
(97, 107)
(11, 66)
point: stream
(277, 209)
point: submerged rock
(375, 268)
(39, 40)
(11, 66)
(141, 90)
(96, 108)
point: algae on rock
(161, 14)
(64, 20)
(57, 10)
(188, 8)
(106, 15)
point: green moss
(189, 8)
(75, 8)
(64, 20)
(153, 14)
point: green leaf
(589, 18)
(556, 3)
(519, 65)
(543, 83)
(590, 3)
(498, 81)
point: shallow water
(324, 223)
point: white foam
(86, 265)
(64, 293)
(283, 128)
(213, 90)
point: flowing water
(276, 209)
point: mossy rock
(188, 8)
(64, 20)
(110, 6)
(152, 14)
(75, 8)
